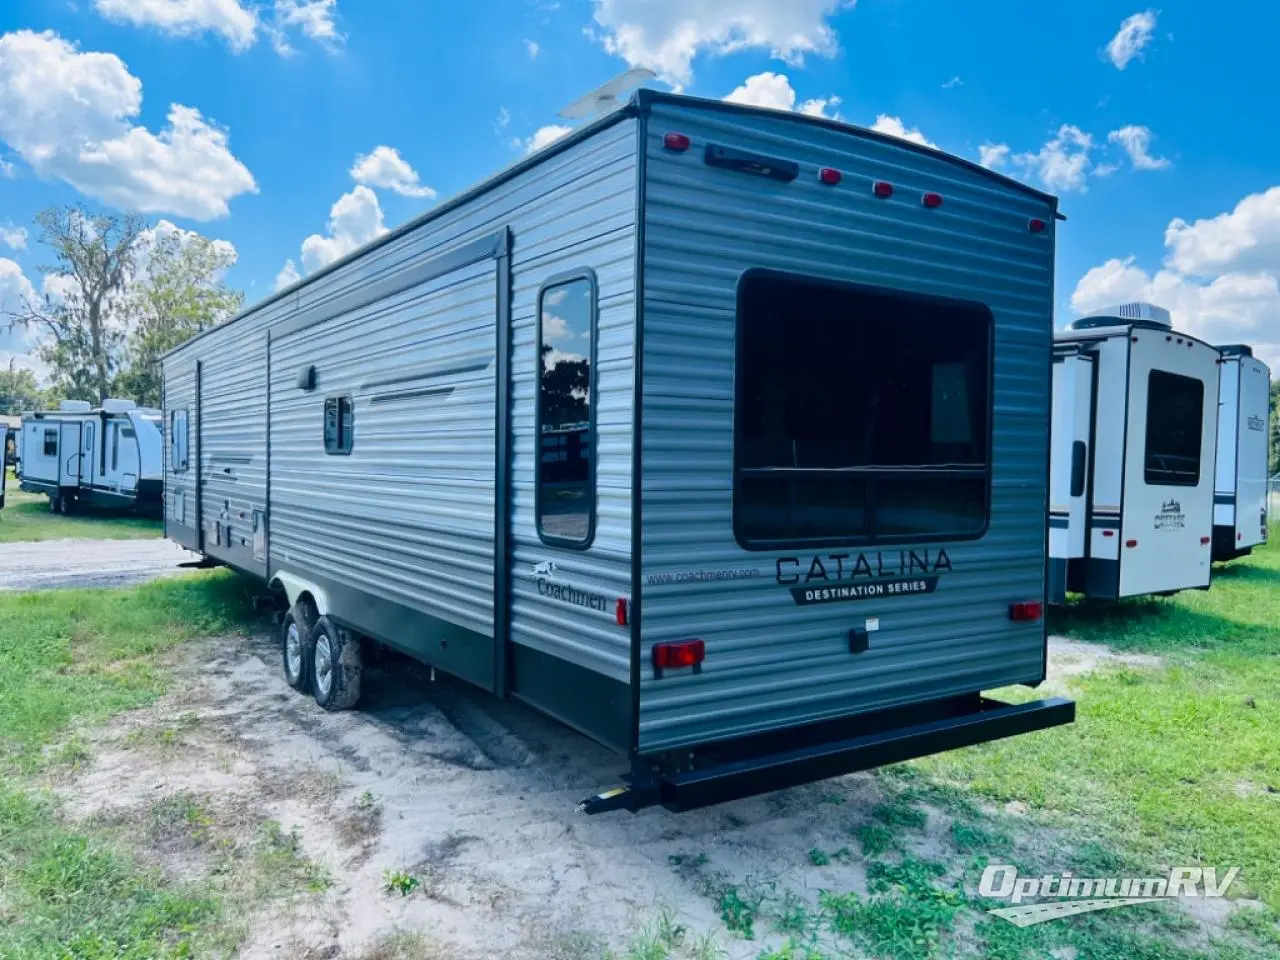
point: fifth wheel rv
(1240, 511)
(1134, 438)
(718, 434)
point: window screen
(339, 425)
(1175, 421)
(861, 414)
(178, 440)
(51, 443)
(566, 421)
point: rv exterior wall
(773, 660)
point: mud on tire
(336, 666)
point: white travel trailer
(1240, 508)
(719, 434)
(108, 457)
(4, 465)
(1133, 446)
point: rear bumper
(756, 765)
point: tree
(181, 294)
(19, 391)
(94, 261)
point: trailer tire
(297, 646)
(55, 503)
(336, 666)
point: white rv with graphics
(719, 434)
(108, 458)
(1240, 508)
(4, 463)
(1135, 427)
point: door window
(1175, 423)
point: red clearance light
(676, 141)
(1027, 612)
(1204, 541)
(883, 189)
(829, 176)
(684, 653)
(1108, 533)
(1131, 543)
(932, 200)
(620, 612)
(1037, 226)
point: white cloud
(774, 91)
(503, 121)
(15, 289)
(1136, 142)
(6, 168)
(25, 361)
(666, 35)
(545, 136)
(354, 220)
(385, 168)
(313, 18)
(287, 276)
(1220, 279)
(67, 114)
(1134, 34)
(993, 156)
(1063, 163)
(1246, 238)
(163, 230)
(896, 128)
(234, 22)
(14, 237)
(953, 83)
(531, 46)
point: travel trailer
(1240, 505)
(1132, 474)
(718, 434)
(4, 469)
(107, 458)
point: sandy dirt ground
(473, 796)
(53, 564)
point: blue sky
(1150, 123)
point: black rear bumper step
(981, 720)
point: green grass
(26, 516)
(74, 890)
(1178, 763)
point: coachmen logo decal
(839, 577)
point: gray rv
(719, 434)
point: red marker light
(684, 653)
(1027, 612)
(829, 176)
(676, 141)
(883, 189)
(1131, 543)
(1108, 533)
(932, 200)
(620, 612)
(1037, 226)
(1204, 541)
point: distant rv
(108, 457)
(1240, 513)
(1135, 431)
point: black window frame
(176, 448)
(871, 475)
(50, 434)
(345, 440)
(560, 280)
(1146, 432)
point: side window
(1175, 416)
(115, 446)
(339, 425)
(51, 443)
(178, 440)
(566, 487)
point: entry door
(91, 455)
(70, 456)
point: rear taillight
(682, 653)
(1131, 543)
(676, 141)
(620, 612)
(829, 176)
(883, 189)
(932, 200)
(1036, 226)
(1028, 611)
(1204, 541)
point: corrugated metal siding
(180, 486)
(575, 209)
(770, 662)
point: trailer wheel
(55, 503)
(297, 646)
(336, 666)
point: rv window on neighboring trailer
(51, 443)
(566, 494)
(339, 425)
(115, 446)
(860, 414)
(1175, 422)
(178, 440)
